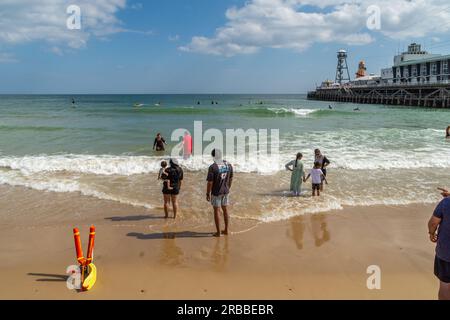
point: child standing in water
(164, 176)
(317, 177)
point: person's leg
(174, 205)
(166, 205)
(444, 291)
(226, 219)
(217, 221)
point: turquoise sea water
(47, 144)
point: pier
(417, 95)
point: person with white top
(317, 177)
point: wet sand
(139, 255)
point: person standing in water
(439, 232)
(159, 143)
(317, 179)
(187, 145)
(172, 188)
(298, 174)
(323, 161)
(447, 133)
(219, 180)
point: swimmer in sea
(330, 107)
(356, 109)
(159, 143)
(447, 133)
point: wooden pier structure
(417, 95)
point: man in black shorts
(439, 230)
(175, 175)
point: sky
(205, 46)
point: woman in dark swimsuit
(159, 143)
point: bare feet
(217, 235)
(225, 232)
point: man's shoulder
(446, 203)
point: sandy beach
(139, 255)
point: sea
(101, 147)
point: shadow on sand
(135, 218)
(49, 277)
(170, 235)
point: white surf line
(247, 230)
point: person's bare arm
(230, 182)
(433, 225)
(288, 166)
(309, 175)
(208, 190)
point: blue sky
(203, 46)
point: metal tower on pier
(342, 73)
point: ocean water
(102, 148)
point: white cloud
(7, 58)
(23, 21)
(137, 6)
(298, 24)
(174, 38)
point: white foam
(297, 112)
(347, 149)
(64, 186)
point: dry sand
(139, 255)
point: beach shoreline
(139, 255)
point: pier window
(423, 69)
(434, 68)
(445, 67)
(414, 71)
(406, 73)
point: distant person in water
(73, 102)
(298, 174)
(317, 178)
(159, 143)
(219, 181)
(439, 231)
(187, 145)
(324, 163)
(330, 107)
(447, 133)
(356, 109)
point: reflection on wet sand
(220, 253)
(319, 230)
(297, 231)
(170, 253)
